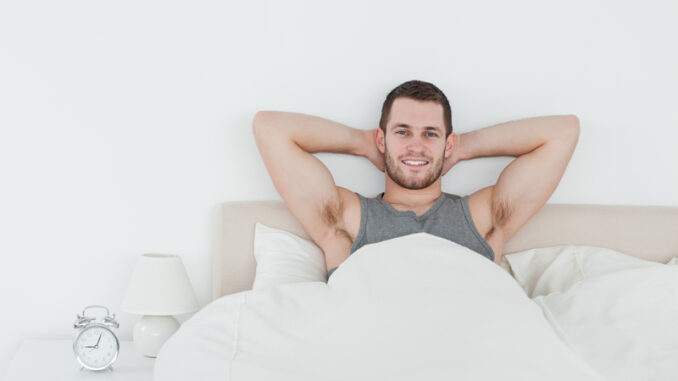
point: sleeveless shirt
(448, 218)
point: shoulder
(452, 197)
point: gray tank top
(448, 218)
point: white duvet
(412, 308)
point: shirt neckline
(410, 213)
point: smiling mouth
(415, 163)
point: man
(415, 146)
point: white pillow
(545, 270)
(283, 257)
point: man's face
(415, 143)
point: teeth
(412, 162)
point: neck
(411, 199)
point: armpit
(332, 216)
(331, 212)
(501, 214)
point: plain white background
(124, 124)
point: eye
(431, 134)
(403, 132)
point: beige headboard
(648, 232)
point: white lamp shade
(159, 286)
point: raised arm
(286, 142)
(543, 146)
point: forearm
(311, 133)
(514, 138)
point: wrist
(365, 143)
(460, 151)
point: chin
(413, 181)
(416, 184)
(414, 187)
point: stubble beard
(396, 174)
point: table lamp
(158, 289)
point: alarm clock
(96, 346)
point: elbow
(260, 122)
(572, 125)
(573, 121)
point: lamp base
(151, 332)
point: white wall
(124, 124)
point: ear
(449, 145)
(379, 139)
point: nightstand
(53, 360)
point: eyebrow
(427, 128)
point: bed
(583, 292)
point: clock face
(96, 347)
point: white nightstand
(53, 360)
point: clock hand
(91, 347)
(99, 339)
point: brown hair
(421, 91)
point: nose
(416, 145)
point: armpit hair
(501, 213)
(332, 216)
